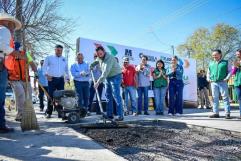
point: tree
(201, 43)
(42, 26)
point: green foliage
(201, 43)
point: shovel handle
(46, 93)
(97, 93)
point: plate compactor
(66, 104)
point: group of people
(108, 74)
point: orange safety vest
(19, 71)
(16, 67)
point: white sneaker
(178, 114)
(205, 107)
(199, 107)
(169, 114)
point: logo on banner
(112, 49)
(128, 53)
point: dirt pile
(153, 142)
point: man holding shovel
(7, 26)
(111, 71)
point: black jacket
(202, 82)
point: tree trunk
(18, 33)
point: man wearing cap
(129, 84)
(111, 71)
(55, 68)
(7, 26)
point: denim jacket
(179, 72)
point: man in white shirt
(55, 68)
(7, 26)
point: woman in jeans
(160, 86)
(175, 74)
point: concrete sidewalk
(55, 142)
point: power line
(228, 12)
(171, 17)
(178, 13)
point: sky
(149, 24)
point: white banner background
(87, 47)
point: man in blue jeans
(81, 73)
(7, 26)
(111, 71)
(218, 74)
(129, 84)
(143, 79)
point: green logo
(113, 51)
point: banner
(88, 46)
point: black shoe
(126, 113)
(158, 113)
(41, 110)
(48, 116)
(227, 116)
(161, 113)
(146, 113)
(98, 113)
(139, 113)
(208, 107)
(88, 113)
(6, 130)
(108, 117)
(214, 116)
(119, 119)
(18, 120)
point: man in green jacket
(111, 71)
(237, 77)
(219, 73)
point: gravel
(154, 142)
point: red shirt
(129, 73)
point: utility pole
(19, 8)
(173, 50)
